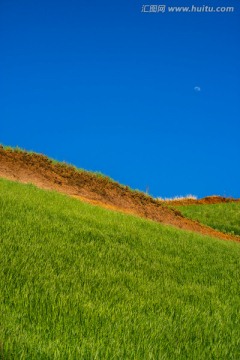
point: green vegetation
(224, 216)
(81, 282)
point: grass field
(81, 282)
(224, 216)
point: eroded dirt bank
(39, 170)
(208, 200)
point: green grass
(81, 282)
(224, 217)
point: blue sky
(109, 88)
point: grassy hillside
(81, 282)
(224, 217)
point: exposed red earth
(214, 199)
(39, 170)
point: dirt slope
(39, 170)
(215, 199)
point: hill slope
(81, 282)
(224, 217)
(43, 172)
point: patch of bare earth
(41, 171)
(208, 200)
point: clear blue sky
(108, 88)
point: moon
(197, 88)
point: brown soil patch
(41, 171)
(208, 200)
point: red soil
(41, 171)
(215, 199)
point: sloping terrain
(208, 200)
(46, 174)
(81, 282)
(224, 217)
